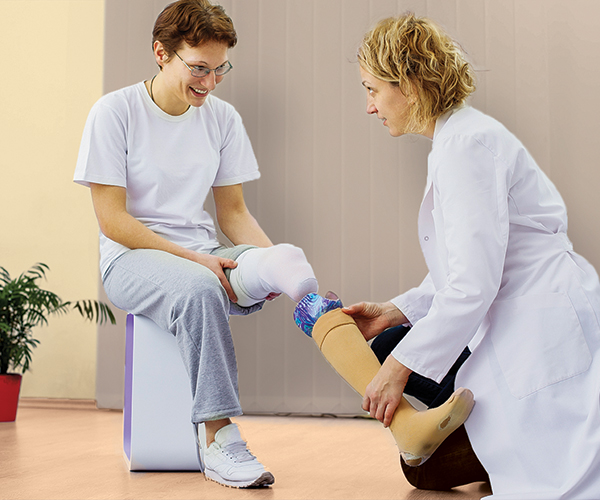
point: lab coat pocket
(538, 341)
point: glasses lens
(221, 70)
(200, 72)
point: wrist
(192, 255)
(399, 369)
(393, 315)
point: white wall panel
(336, 184)
(532, 103)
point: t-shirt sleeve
(238, 163)
(102, 155)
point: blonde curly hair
(428, 66)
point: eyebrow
(203, 63)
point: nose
(371, 108)
(210, 81)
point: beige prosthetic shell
(417, 433)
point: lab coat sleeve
(470, 217)
(416, 302)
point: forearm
(242, 228)
(131, 233)
(234, 218)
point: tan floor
(62, 450)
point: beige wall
(333, 181)
(52, 76)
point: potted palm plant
(23, 306)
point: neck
(429, 131)
(160, 97)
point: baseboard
(58, 404)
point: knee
(287, 251)
(206, 293)
(412, 475)
(284, 256)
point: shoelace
(238, 451)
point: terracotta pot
(10, 386)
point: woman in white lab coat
(503, 278)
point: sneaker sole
(265, 480)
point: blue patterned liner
(311, 308)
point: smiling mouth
(199, 92)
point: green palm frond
(93, 310)
(24, 306)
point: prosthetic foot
(417, 433)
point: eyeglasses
(201, 71)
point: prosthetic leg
(417, 433)
(278, 269)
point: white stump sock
(278, 269)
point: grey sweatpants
(187, 300)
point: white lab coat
(503, 279)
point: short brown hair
(418, 56)
(194, 22)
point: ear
(160, 55)
(412, 96)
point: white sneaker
(227, 460)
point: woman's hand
(372, 318)
(384, 393)
(216, 265)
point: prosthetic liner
(278, 269)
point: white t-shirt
(167, 163)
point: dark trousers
(454, 463)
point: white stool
(157, 430)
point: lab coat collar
(441, 121)
(439, 125)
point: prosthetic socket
(417, 433)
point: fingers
(384, 392)
(390, 409)
(366, 404)
(216, 265)
(379, 412)
(382, 411)
(228, 263)
(225, 282)
(218, 270)
(354, 309)
(366, 310)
